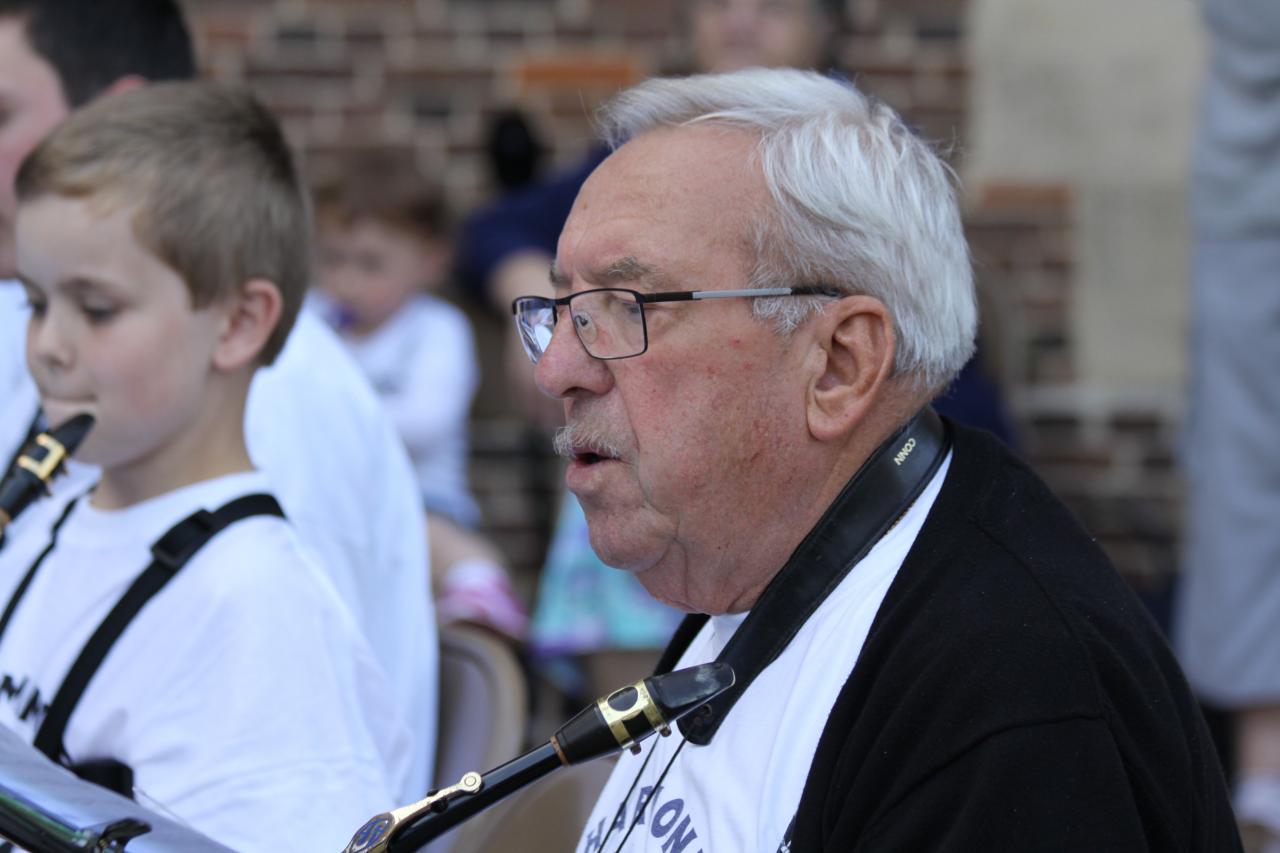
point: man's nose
(566, 369)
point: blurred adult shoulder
(13, 332)
(17, 394)
(318, 430)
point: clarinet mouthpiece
(39, 462)
(627, 716)
(72, 432)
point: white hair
(862, 204)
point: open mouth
(591, 457)
(585, 447)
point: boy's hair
(377, 189)
(93, 43)
(216, 193)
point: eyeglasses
(609, 321)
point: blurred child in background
(384, 253)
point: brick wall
(423, 77)
(1111, 460)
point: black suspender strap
(21, 589)
(169, 554)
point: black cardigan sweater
(1012, 695)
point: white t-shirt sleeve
(433, 400)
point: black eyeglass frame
(667, 296)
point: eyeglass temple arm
(682, 295)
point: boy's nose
(48, 346)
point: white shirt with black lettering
(243, 695)
(741, 791)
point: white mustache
(576, 438)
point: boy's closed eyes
(94, 300)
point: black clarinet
(618, 721)
(40, 461)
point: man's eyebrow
(559, 280)
(624, 271)
(628, 270)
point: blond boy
(162, 239)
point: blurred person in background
(53, 58)
(312, 422)
(384, 251)
(1229, 604)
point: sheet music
(81, 804)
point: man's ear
(250, 318)
(852, 360)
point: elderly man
(757, 295)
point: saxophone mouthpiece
(37, 465)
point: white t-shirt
(316, 428)
(243, 695)
(422, 364)
(741, 791)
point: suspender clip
(177, 546)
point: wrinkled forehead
(665, 199)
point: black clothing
(1012, 695)
(867, 508)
